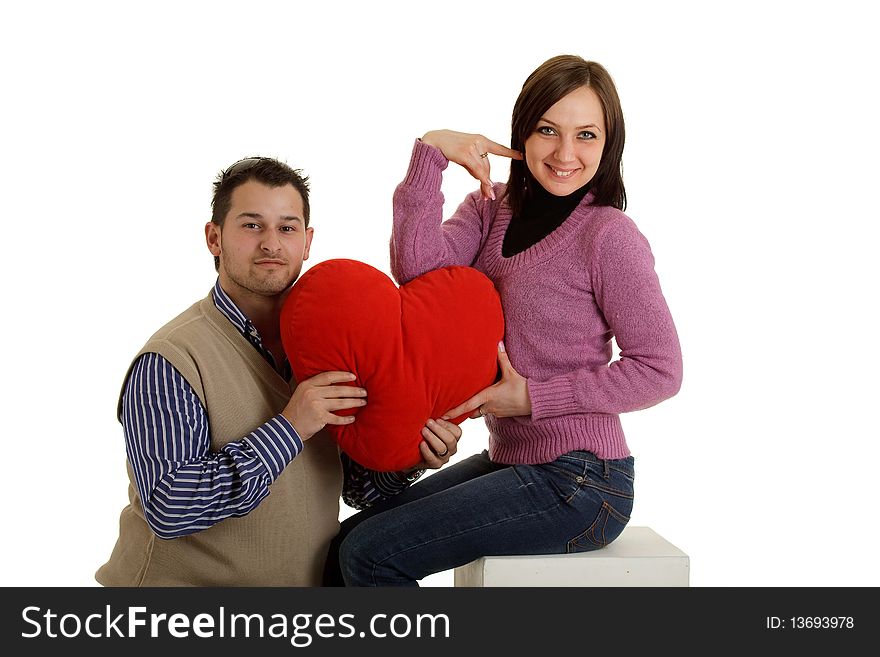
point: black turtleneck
(542, 213)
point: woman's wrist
(430, 138)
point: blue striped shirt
(184, 486)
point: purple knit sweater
(563, 299)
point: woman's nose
(565, 151)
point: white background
(750, 166)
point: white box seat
(638, 557)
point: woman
(573, 271)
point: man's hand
(439, 442)
(312, 404)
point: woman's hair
(549, 83)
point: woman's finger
(482, 168)
(497, 149)
(462, 409)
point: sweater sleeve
(628, 293)
(421, 241)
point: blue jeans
(478, 508)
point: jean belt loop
(605, 465)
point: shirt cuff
(412, 477)
(392, 483)
(276, 444)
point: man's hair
(264, 170)
(549, 83)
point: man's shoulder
(191, 321)
(184, 338)
(173, 342)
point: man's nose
(271, 243)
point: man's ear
(212, 237)
(310, 233)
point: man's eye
(251, 225)
(288, 229)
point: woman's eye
(586, 134)
(546, 130)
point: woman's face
(565, 148)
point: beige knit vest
(283, 542)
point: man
(232, 481)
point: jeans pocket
(566, 482)
(607, 526)
(609, 480)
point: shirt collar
(233, 313)
(246, 327)
(239, 320)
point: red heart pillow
(418, 350)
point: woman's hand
(507, 398)
(471, 152)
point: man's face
(263, 241)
